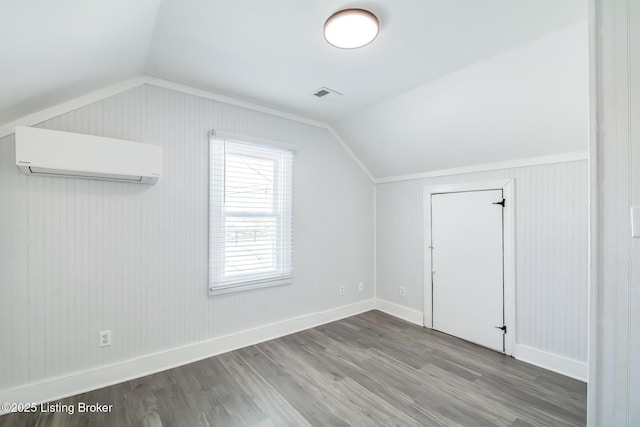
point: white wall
(551, 251)
(530, 101)
(614, 395)
(79, 256)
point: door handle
(503, 328)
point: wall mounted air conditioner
(55, 153)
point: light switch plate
(635, 222)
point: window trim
(283, 277)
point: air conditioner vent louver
(47, 152)
(325, 93)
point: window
(250, 216)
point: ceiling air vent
(326, 93)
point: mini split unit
(55, 153)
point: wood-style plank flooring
(367, 370)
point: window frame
(282, 212)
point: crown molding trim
(509, 164)
(106, 92)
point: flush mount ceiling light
(351, 28)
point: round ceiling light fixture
(351, 28)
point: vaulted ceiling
(273, 53)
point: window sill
(246, 286)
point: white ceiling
(268, 52)
(55, 50)
(530, 101)
(273, 51)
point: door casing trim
(508, 190)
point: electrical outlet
(403, 291)
(361, 286)
(105, 338)
(341, 289)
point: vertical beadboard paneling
(551, 250)
(615, 398)
(80, 256)
(14, 305)
(633, 375)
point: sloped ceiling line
(73, 104)
(441, 87)
(81, 101)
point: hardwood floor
(367, 370)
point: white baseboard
(81, 382)
(400, 311)
(562, 365)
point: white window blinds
(250, 216)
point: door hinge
(501, 202)
(503, 328)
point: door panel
(467, 259)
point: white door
(467, 264)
